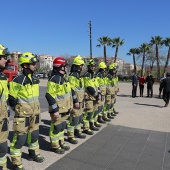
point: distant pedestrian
(150, 82)
(161, 80)
(142, 80)
(134, 84)
(165, 85)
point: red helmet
(59, 61)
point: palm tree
(144, 49)
(116, 42)
(167, 44)
(157, 41)
(104, 41)
(134, 51)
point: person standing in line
(134, 84)
(161, 80)
(60, 99)
(76, 115)
(91, 99)
(4, 112)
(150, 82)
(23, 99)
(165, 85)
(142, 80)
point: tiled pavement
(120, 148)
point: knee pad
(20, 141)
(3, 149)
(89, 115)
(64, 125)
(34, 136)
(57, 128)
(81, 118)
(74, 121)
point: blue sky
(60, 27)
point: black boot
(109, 116)
(100, 120)
(113, 114)
(88, 132)
(72, 140)
(65, 147)
(106, 119)
(97, 124)
(92, 127)
(114, 111)
(36, 158)
(78, 134)
(58, 150)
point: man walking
(150, 82)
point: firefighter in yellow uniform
(115, 80)
(110, 92)
(3, 108)
(91, 99)
(23, 99)
(59, 97)
(100, 76)
(76, 117)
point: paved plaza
(137, 139)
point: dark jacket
(150, 80)
(134, 80)
(166, 84)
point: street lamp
(90, 38)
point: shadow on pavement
(149, 105)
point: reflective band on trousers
(3, 160)
(79, 89)
(33, 146)
(29, 100)
(62, 97)
(3, 97)
(15, 152)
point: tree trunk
(116, 52)
(167, 60)
(105, 54)
(143, 60)
(158, 66)
(134, 62)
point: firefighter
(76, 117)
(23, 99)
(91, 99)
(110, 92)
(100, 76)
(3, 108)
(115, 80)
(60, 100)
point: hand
(99, 97)
(77, 105)
(86, 96)
(56, 115)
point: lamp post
(90, 38)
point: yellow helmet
(4, 51)
(91, 62)
(28, 58)
(78, 60)
(115, 66)
(111, 66)
(102, 65)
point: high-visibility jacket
(3, 96)
(91, 85)
(77, 85)
(59, 94)
(101, 82)
(24, 95)
(110, 85)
